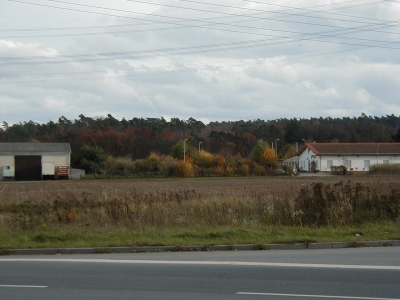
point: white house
(33, 161)
(355, 156)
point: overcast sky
(206, 59)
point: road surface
(359, 273)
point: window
(385, 161)
(329, 164)
(366, 165)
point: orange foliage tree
(269, 158)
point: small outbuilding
(34, 161)
(355, 156)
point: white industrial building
(34, 161)
(355, 156)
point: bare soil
(15, 192)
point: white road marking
(220, 263)
(24, 286)
(315, 296)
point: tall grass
(391, 169)
(343, 203)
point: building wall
(306, 158)
(6, 161)
(357, 163)
(58, 160)
(353, 163)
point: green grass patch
(78, 237)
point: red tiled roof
(353, 148)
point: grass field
(177, 212)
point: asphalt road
(359, 273)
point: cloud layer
(225, 60)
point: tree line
(137, 138)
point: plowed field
(13, 192)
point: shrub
(393, 169)
(339, 170)
(169, 166)
(345, 203)
(260, 170)
(184, 169)
(119, 166)
(242, 170)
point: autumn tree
(269, 158)
(258, 151)
(181, 149)
(203, 159)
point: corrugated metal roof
(353, 148)
(22, 148)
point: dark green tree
(92, 159)
(396, 136)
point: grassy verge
(78, 237)
(317, 213)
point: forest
(138, 138)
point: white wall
(58, 160)
(353, 163)
(357, 163)
(6, 161)
(306, 158)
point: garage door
(28, 168)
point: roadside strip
(299, 246)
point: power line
(249, 9)
(164, 22)
(215, 47)
(303, 38)
(178, 18)
(128, 25)
(363, 28)
(312, 53)
(175, 51)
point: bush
(260, 170)
(119, 166)
(339, 170)
(345, 203)
(393, 169)
(184, 169)
(242, 170)
(169, 166)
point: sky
(222, 60)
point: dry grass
(197, 211)
(198, 204)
